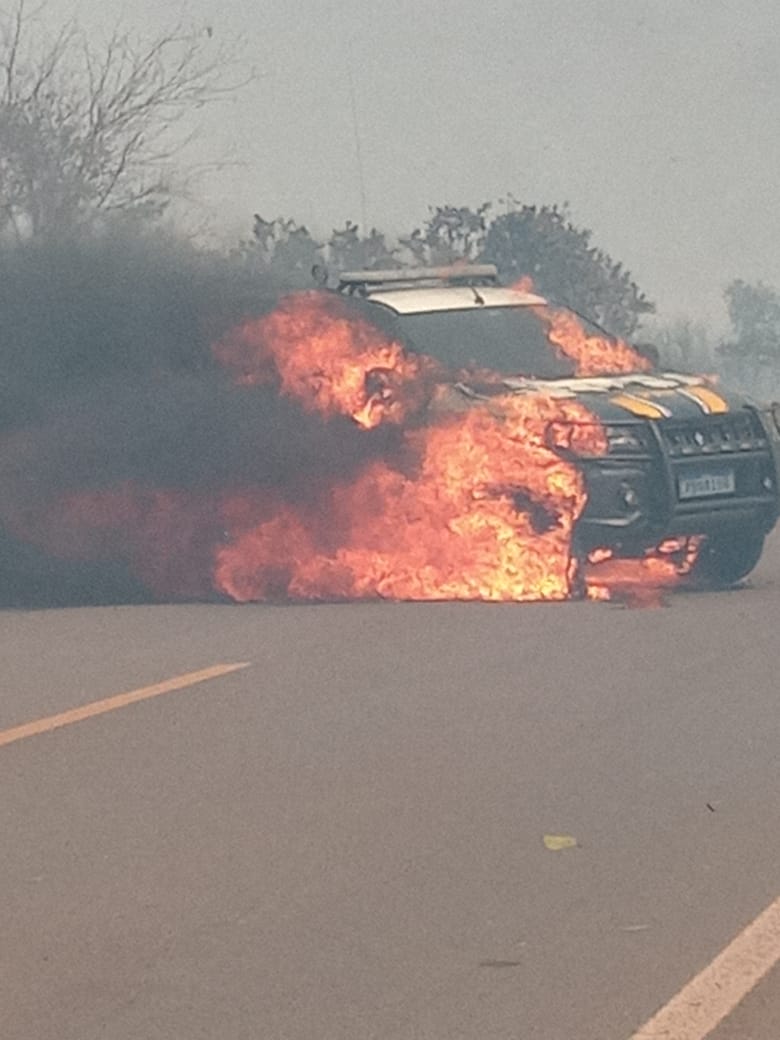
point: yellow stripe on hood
(640, 406)
(709, 402)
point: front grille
(714, 435)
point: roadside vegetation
(94, 282)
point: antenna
(358, 150)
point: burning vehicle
(690, 468)
(408, 435)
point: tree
(285, 251)
(541, 242)
(754, 311)
(450, 234)
(685, 346)
(524, 240)
(544, 243)
(751, 354)
(86, 130)
(348, 251)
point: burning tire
(724, 560)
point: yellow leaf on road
(556, 842)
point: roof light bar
(457, 274)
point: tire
(725, 560)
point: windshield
(510, 340)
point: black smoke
(107, 376)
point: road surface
(348, 838)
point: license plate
(702, 485)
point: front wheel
(725, 559)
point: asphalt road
(346, 839)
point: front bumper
(637, 501)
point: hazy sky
(656, 119)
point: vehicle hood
(660, 395)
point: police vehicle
(686, 457)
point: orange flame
(484, 510)
(487, 513)
(478, 499)
(641, 581)
(593, 355)
(329, 360)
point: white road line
(120, 700)
(712, 995)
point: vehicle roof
(452, 298)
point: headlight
(627, 440)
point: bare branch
(9, 64)
(85, 129)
